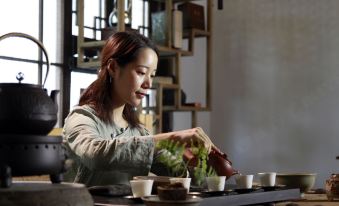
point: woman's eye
(141, 73)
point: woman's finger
(208, 142)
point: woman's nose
(148, 82)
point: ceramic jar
(332, 187)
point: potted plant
(173, 158)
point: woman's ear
(112, 67)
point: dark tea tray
(257, 197)
(229, 198)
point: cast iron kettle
(26, 108)
(27, 115)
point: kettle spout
(53, 95)
(235, 172)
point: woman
(103, 133)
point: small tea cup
(267, 178)
(216, 183)
(185, 181)
(141, 188)
(244, 181)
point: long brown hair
(123, 47)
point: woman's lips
(140, 94)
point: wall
(193, 83)
(275, 85)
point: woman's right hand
(188, 136)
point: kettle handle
(42, 47)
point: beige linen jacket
(104, 154)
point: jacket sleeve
(83, 134)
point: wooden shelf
(167, 51)
(168, 86)
(164, 52)
(93, 64)
(195, 33)
(184, 108)
(192, 108)
(92, 44)
(148, 108)
(174, 1)
(169, 108)
(190, 34)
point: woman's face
(132, 82)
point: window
(22, 55)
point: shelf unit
(165, 51)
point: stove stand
(29, 155)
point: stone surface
(39, 193)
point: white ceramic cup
(267, 178)
(186, 181)
(141, 188)
(244, 181)
(216, 183)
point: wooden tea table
(311, 200)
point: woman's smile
(140, 94)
